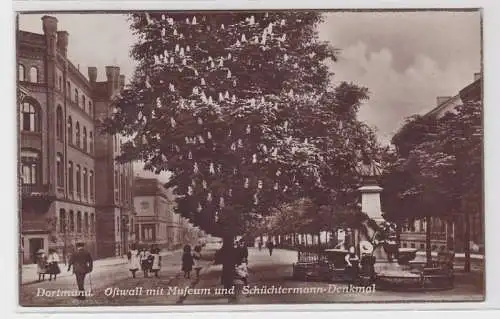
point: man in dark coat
(82, 264)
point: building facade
(114, 201)
(413, 234)
(157, 223)
(58, 154)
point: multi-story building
(58, 145)
(157, 222)
(413, 235)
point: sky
(405, 59)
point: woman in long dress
(133, 260)
(156, 266)
(53, 264)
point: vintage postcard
(176, 158)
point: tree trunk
(428, 251)
(305, 240)
(467, 241)
(319, 239)
(227, 261)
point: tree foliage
(238, 107)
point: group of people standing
(47, 264)
(149, 261)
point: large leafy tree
(439, 169)
(237, 106)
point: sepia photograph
(172, 158)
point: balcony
(37, 195)
(34, 190)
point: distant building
(156, 222)
(60, 154)
(413, 235)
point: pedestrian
(352, 265)
(41, 264)
(243, 251)
(187, 261)
(145, 262)
(156, 261)
(260, 245)
(82, 264)
(53, 264)
(133, 260)
(270, 246)
(196, 260)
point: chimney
(477, 76)
(122, 81)
(442, 99)
(113, 78)
(62, 42)
(49, 24)
(92, 72)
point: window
(29, 117)
(62, 220)
(76, 97)
(59, 123)
(84, 139)
(78, 180)
(422, 246)
(20, 73)
(68, 89)
(85, 184)
(86, 222)
(412, 245)
(79, 222)
(148, 232)
(70, 177)
(91, 182)
(92, 223)
(60, 170)
(71, 221)
(83, 102)
(122, 187)
(116, 185)
(60, 85)
(118, 224)
(70, 130)
(33, 74)
(91, 142)
(30, 162)
(77, 133)
(90, 108)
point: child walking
(187, 261)
(196, 260)
(155, 267)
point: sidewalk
(29, 272)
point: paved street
(265, 271)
